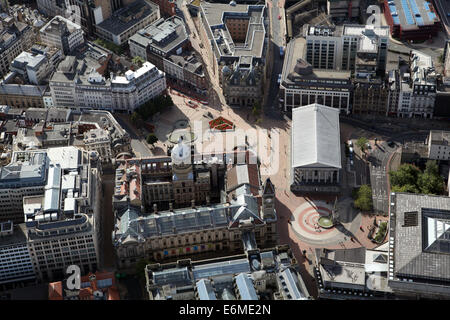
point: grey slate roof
(414, 255)
(315, 137)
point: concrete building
(244, 214)
(62, 33)
(337, 47)
(15, 37)
(63, 224)
(15, 259)
(80, 83)
(417, 86)
(315, 150)
(439, 145)
(419, 246)
(125, 22)
(237, 43)
(34, 68)
(165, 43)
(269, 274)
(25, 176)
(302, 85)
(411, 19)
(352, 274)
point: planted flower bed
(221, 124)
(381, 233)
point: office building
(301, 85)
(25, 175)
(269, 274)
(370, 97)
(80, 83)
(165, 43)
(439, 145)
(315, 150)
(15, 37)
(126, 21)
(33, 68)
(15, 259)
(330, 47)
(63, 224)
(411, 19)
(419, 246)
(237, 43)
(63, 34)
(417, 85)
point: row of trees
(150, 108)
(409, 178)
(110, 46)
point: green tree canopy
(137, 60)
(361, 143)
(409, 178)
(363, 198)
(406, 174)
(151, 138)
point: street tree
(151, 139)
(363, 198)
(362, 143)
(137, 60)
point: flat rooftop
(216, 15)
(440, 137)
(124, 18)
(163, 34)
(412, 14)
(296, 50)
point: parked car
(368, 146)
(279, 79)
(351, 150)
(350, 143)
(279, 17)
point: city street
(138, 143)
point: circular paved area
(305, 224)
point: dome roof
(181, 153)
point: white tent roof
(315, 137)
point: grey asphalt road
(139, 147)
(271, 108)
(443, 8)
(378, 178)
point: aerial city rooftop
(225, 150)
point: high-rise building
(62, 33)
(337, 47)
